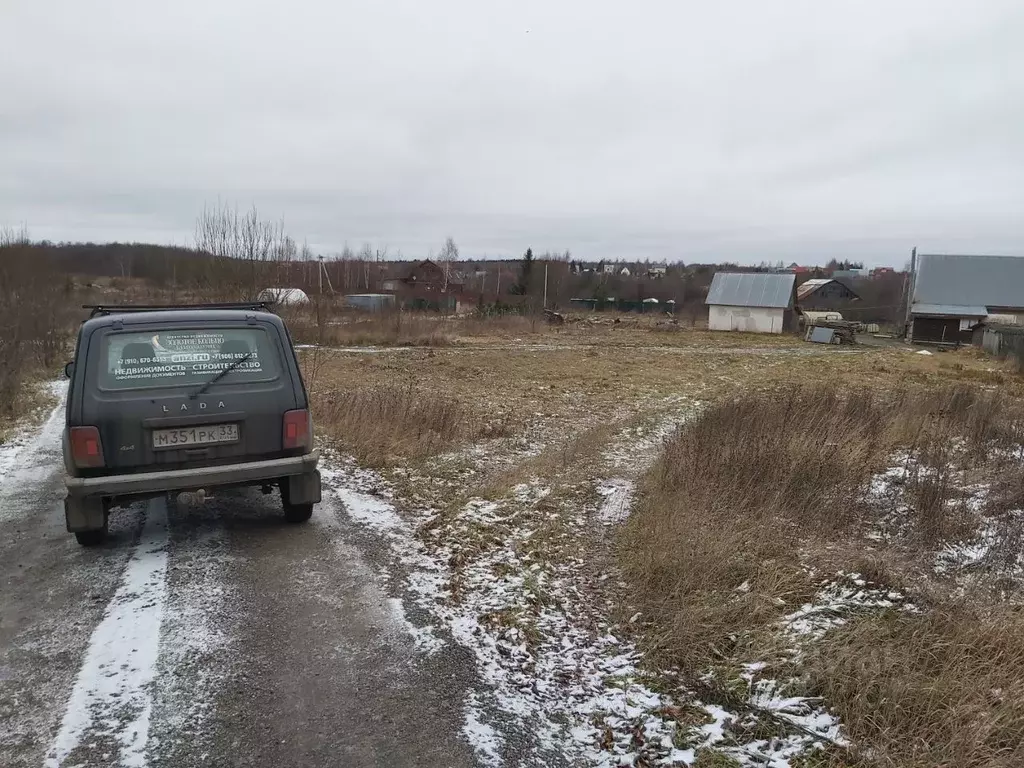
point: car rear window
(185, 357)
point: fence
(1005, 341)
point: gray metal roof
(752, 289)
(974, 281)
(956, 310)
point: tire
(91, 538)
(298, 513)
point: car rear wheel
(91, 538)
(298, 513)
(300, 488)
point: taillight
(298, 431)
(86, 448)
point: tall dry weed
(942, 687)
(748, 495)
(381, 424)
(739, 490)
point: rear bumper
(246, 473)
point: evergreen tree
(526, 272)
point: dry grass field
(782, 522)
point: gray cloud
(680, 130)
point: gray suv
(171, 399)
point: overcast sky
(694, 131)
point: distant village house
(426, 275)
(656, 272)
(427, 285)
(824, 293)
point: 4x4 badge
(202, 406)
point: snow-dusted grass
(510, 579)
(753, 498)
(559, 674)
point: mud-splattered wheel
(91, 538)
(298, 513)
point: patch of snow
(423, 637)
(23, 459)
(992, 549)
(369, 511)
(892, 492)
(618, 498)
(484, 740)
(836, 602)
(637, 447)
(195, 643)
(112, 695)
(426, 582)
(813, 726)
(768, 695)
(923, 352)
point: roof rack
(106, 309)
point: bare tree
(449, 253)
(365, 259)
(247, 239)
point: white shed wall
(750, 319)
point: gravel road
(208, 634)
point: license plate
(205, 435)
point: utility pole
(908, 291)
(320, 274)
(325, 274)
(545, 285)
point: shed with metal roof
(756, 302)
(953, 293)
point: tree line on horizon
(236, 255)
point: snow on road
(486, 742)
(158, 615)
(112, 694)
